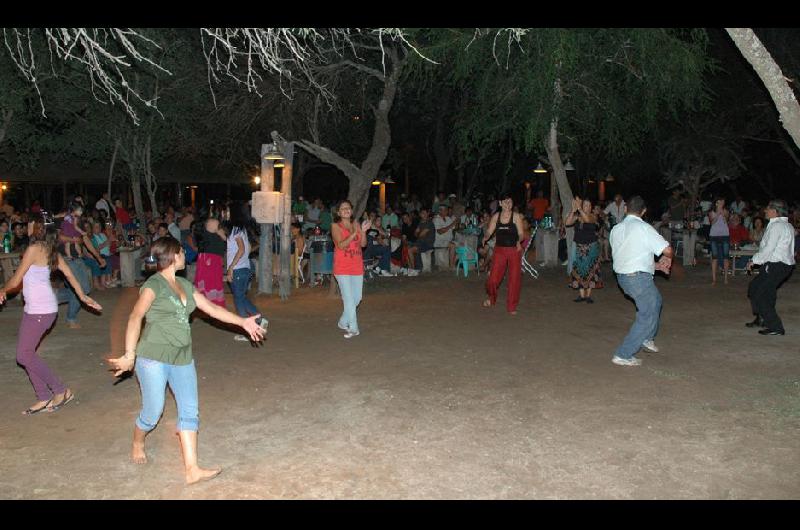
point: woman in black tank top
(506, 226)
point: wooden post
(285, 285)
(383, 197)
(265, 241)
(601, 186)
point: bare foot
(713, 283)
(73, 325)
(198, 474)
(487, 303)
(138, 455)
(512, 312)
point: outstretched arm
(223, 315)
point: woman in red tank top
(348, 264)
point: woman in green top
(165, 352)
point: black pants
(763, 292)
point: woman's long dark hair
(46, 236)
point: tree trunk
(771, 75)
(558, 172)
(361, 177)
(150, 181)
(111, 167)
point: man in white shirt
(172, 227)
(634, 243)
(444, 225)
(616, 210)
(776, 257)
(103, 204)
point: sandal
(64, 401)
(31, 412)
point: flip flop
(63, 402)
(31, 412)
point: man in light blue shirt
(634, 243)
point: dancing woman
(586, 267)
(165, 352)
(348, 264)
(506, 227)
(41, 309)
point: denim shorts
(720, 247)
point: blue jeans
(351, 286)
(720, 248)
(380, 251)
(643, 290)
(239, 287)
(153, 379)
(66, 295)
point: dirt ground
(438, 398)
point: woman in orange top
(348, 264)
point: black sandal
(579, 299)
(31, 412)
(63, 401)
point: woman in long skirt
(210, 263)
(586, 267)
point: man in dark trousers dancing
(776, 257)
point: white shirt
(244, 261)
(634, 243)
(617, 211)
(442, 240)
(777, 245)
(737, 207)
(102, 204)
(174, 231)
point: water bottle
(7, 243)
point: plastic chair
(465, 257)
(527, 266)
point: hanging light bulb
(279, 163)
(540, 169)
(569, 166)
(273, 153)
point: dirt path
(438, 398)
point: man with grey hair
(634, 243)
(776, 257)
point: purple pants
(31, 331)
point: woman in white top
(237, 266)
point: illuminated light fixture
(257, 180)
(273, 153)
(540, 169)
(5, 187)
(376, 182)
(609, 178)
(279, 163)
(569, 166)
(389, 180)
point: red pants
(511, 258)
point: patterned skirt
(208, 278)
(586, 267)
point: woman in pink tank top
(41, 309)
(348, 264)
